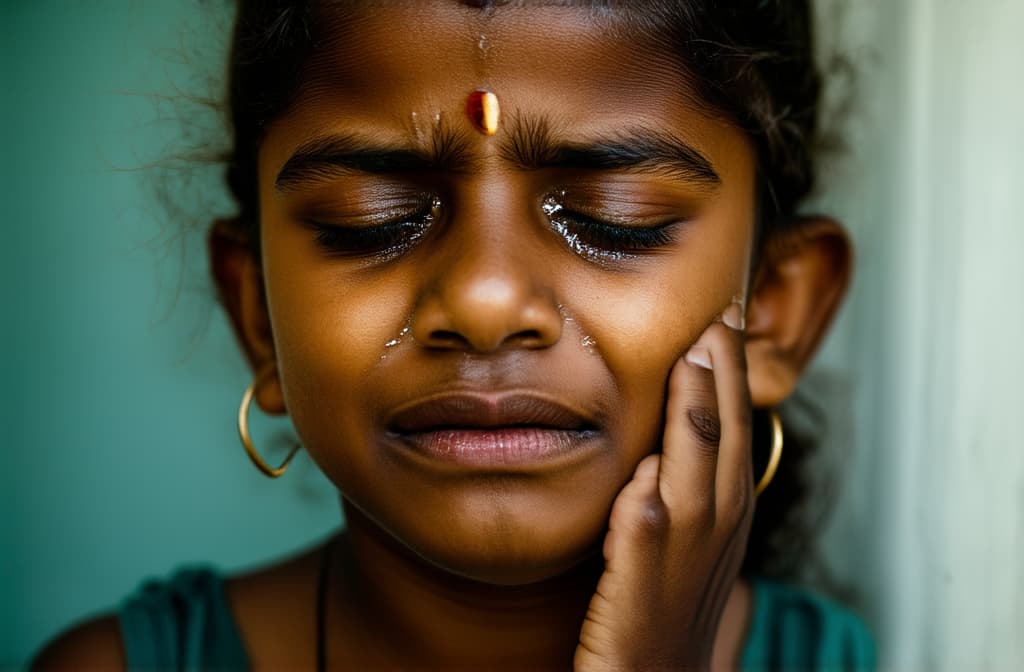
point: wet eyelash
(592, 237)
(618, 238)
(375, 239)
(382, 240)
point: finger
(638, 515)
(631, 580)
(633, 547)
(692, 434)
(734, 480)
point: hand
(678, 530)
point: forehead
(407, 55)
(398, 70)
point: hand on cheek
(678, 530)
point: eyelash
(384, 241)
(586, 235)
(593, 238)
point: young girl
(528, 279)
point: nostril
(443, 338)
(448, 339)
(460, 316)
(530, 338)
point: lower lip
(497, 447)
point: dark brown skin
(623, 556)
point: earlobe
(801, 282)
(236, 272)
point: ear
(239, 279)
(802, 279)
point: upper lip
(460, 410)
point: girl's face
(473, 333)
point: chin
(496, 565)
(507, 541)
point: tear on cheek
(587, 342)
(393, 343)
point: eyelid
(621, 212)
(604, 242)
(377, 242)
(363, 211)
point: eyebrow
(531, 145)
(323, 158)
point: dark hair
(750, 60)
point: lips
(487, 412)
(491, 429)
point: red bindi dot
(484, 111)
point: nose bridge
(487, 290)
(486, 262)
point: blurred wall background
(930, 350)
(121, 380)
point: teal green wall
(120, 378)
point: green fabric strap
(181, 624)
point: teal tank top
(184, 623)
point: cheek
(643, 323)
(330, 329)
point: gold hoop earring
(776, 455)
(243, 430)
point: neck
(399, 610)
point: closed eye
(382, 241)
(604, 240)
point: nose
(487, 292)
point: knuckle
(650, 518)
(705, 427)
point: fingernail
(733, 316)
(699, 356)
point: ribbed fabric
(794, 629)
(181, 624)
(185, 624)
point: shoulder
(793, 627)
(95, 644)
(273, 607)
(179, 622)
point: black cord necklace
(321, 605)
